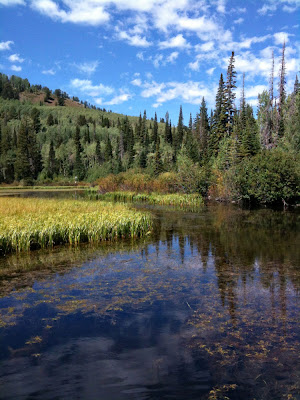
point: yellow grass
(29, 223)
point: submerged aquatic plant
(31, 223)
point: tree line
(210, 154)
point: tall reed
(31, 223)
(179, 200)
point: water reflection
(207, 307)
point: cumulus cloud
(79, 12)
(86, 86)
(121, 98)
(238, 21)
(221, 6)
(136, 82)
(172, 57)
(281, 37)
(177, 41)
(15, 58)
(6, 45)
(16, 68)
(134, 40)
(188, 92)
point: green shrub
(270, 177)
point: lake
(206, 307)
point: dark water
(205, 308)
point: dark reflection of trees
(239, 241)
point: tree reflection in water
(206, 307)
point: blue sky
(131, 55)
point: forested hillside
(227, 153)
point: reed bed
(33, 223)
(179, 200)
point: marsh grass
(178, 200)
(26, 224)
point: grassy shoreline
(26, 224)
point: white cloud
(266, 8)
(48, 72)
(140, 56)
(152, 89)
(156, 105)
(210, 71)
(289, 9)
(240, 10)
(16, 68)
(189, 92)
(87, 67)
(254, 91)
(194, 65)
(272, 5)
(177, 41)
(281, 37)
(221, 6)
(238, 21)
(99, 101)
(12, 2)
(207, 46)
(6, 45)
(157, 60)
(199, 25)
(136, 82)
(172, 57)
(121, 98)
(134, 40)
(15, 58)
(86, 86)
(87, 12)
(149, 75)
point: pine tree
(50, 120)
(51, 164)
(180, 130)
(108, 150)
(229, 92)
(219, 118)
(158, 167)
(296, 86)
(168, 131)
(78, 166)
(282, 95)
(139, 129)
(22, 165)
(203, 131)
(117, 158)
(155, 130)
(98, 154)
(36, 122)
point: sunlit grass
(31, 223)
(178, 199)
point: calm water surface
(207, 307)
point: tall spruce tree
(78, 166)
(180, 130)
(203, 132)
(22, 164)
(51, 164)
(229, 92)
(282, 95)
(155, 130)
